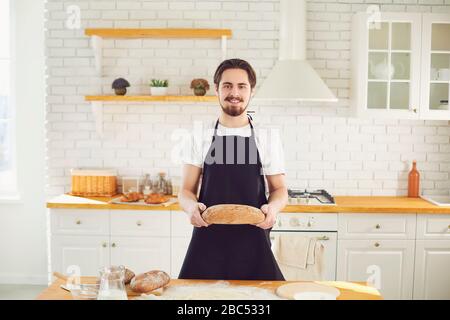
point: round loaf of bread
(149, 281)
(233, 214)
(128, 276)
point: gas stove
(310, 197)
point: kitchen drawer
(435, 226)
(377, 226)
(181, 227)
(140, 224)
(79, 222)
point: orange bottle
(413, 182)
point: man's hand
(195, 216)
(271, 217)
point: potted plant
(120, 86)
(200, 86)
(158, 87)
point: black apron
(231, 252)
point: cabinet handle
(113, 245)
(377, 226)
(78, 222)
(414, 110)
(104, 244)
(324, 238)
(377, 244)
(139, 223)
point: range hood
(292, 77)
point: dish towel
(299, 257)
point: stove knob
(294, 222)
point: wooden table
(349, 290)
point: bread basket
(94, 182)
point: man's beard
(232, 111)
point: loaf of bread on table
(149, 281)
(233, 214)
(128, 276)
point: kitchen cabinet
(179, 248)
(387, 264)
(85, 253)
(400, 65)
(432, 260)
(435, 67)
(432, 265)
(386, 64)
(377, 226)
(141, 254)
(181, 237)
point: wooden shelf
(158, 33)
(152, 98)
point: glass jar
(112, 285)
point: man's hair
(235, 64)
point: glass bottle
(413, 182)
(147, 186)
(162, 184)
(112, 286)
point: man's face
(234, 91)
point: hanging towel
(299, 257)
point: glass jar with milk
(112, 286)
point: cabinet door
(432, 275)
(179, 249)
(386, 64)
(89, 253)
(387, 264)
(141, 254)
(435, 67)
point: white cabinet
(181, 237)
(79, 221)
(179, 248)
(435, 67)
(92, 239)
(401, 65)
(432, 270)
(432, 265)
(377, 226)
(436, 226)
(386, 64)
(141, 254)
(85, 253)
(387, 264)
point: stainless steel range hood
(292, 77)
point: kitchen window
(8, 177)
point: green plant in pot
(159, 87)
(200, 86)
(120, 86)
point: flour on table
(217, 291)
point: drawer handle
(377, 226)
(324, 238)
(78, 222)
(113, 245)
(139, 223)
(104, 244)
(377, 244)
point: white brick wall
(324, 148)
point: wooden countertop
(344, 204)
(349, 290)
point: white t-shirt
(267, 139)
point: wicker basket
(94, 182)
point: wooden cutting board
(233, 214)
